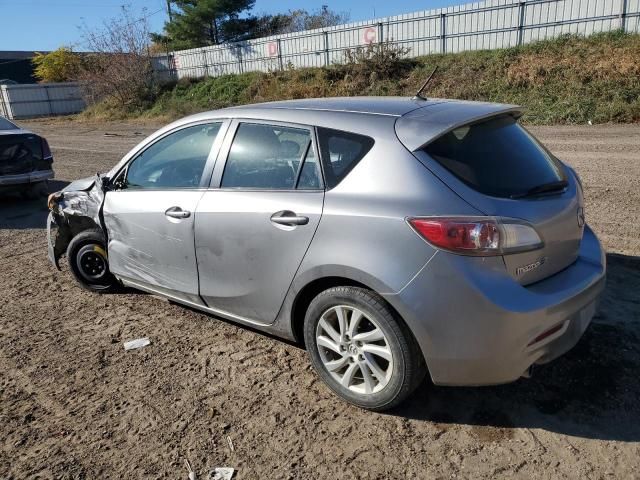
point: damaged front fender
(75, 209)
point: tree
(61, 65)
(119, 67)
(299, 20)
(198, 23)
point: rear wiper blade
(544, 188)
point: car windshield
(6, 124)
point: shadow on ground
(20, 209)
(591, 392)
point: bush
(61, 65)
(119, 68)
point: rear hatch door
(20, 152)
(498, 167)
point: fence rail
(474, 26)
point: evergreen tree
(198, 23)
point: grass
(568, 80)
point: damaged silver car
(394, 237)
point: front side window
(175, 161)
(271, 157)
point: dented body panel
(77, 209)
(148, 247)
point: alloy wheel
(354, 350)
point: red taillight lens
(46, 151)
(478, 235)
(460, 235)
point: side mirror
(105, 183)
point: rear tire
(87, 256)
(361, 349)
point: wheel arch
(308, 293)
(312, 288)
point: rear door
(255, 224)
(502, 170)
(149, 213)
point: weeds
(570, 79)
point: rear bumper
(477, 326)
(23, 178)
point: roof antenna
(418, 95)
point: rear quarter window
(341, 151)
(496, 157)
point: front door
(149, 214)
(252, 232)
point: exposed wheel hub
(92, 264)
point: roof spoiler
(422, 126)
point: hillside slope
(566, 80)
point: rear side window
(271, 157)
(341, 151)
(497, 157)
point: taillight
(46, 151)
(477, 235)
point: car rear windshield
(497, 157)
(6, 124)
(341, 151)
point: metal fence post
(240, 65)
(380, 33)
(46, 93)
(204, 63)
(279, 42)
(521, 16)
(326, 49)
(623, 15)
(443, 33)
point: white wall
(38, 100)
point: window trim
(225, 150)
(214, 153)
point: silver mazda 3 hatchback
(394, 237)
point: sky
(42, 25)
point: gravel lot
(73, 404)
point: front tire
(89, 264)
(361, 349)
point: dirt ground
(74, 404)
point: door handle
(289, 218)
(177, 212)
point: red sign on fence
(272, 49)
(369, 35)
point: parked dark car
(26, 162)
